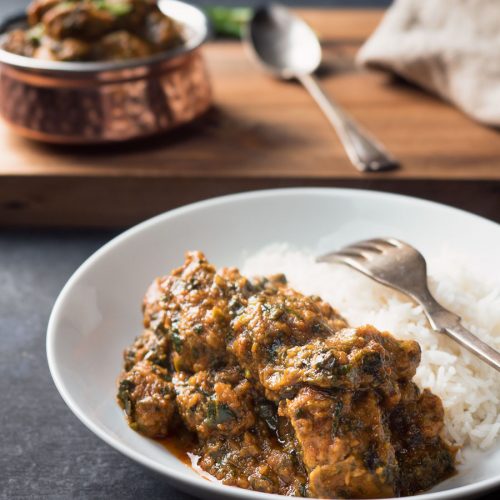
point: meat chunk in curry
(147, 395)
(279, 392)
(93, 30)
(345, 443)
(215, 403)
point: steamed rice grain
(469, 389)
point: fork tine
(362, 251)
(351, 254)
(363, 246)
(384, 243)
(341, 256)
(393, 243)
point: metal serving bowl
(93, 102)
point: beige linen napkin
(449, 47)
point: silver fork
(398, 265)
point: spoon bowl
(283, 43)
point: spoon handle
(365, 153)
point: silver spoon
(287, 47)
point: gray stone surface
(45, 452)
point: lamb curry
(93, 30)
(280, 394)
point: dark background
(45, 452)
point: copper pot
(93, 102)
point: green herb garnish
(229, 21)
(115, 8)
(218, 413)
(125, 389)
(176, 340)
(269, 413)
(35, 34)
(336, 417)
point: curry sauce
(179, 444)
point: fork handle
(444, 321)
(468, 340)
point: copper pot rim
(95, 79)
(192, 18)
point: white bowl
(98, 312)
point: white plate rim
(187, 483)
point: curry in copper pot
(93, 30)
(280, 394)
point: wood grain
(261, 133)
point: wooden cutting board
(262, 133)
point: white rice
(469, 389)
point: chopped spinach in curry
(281, 394)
